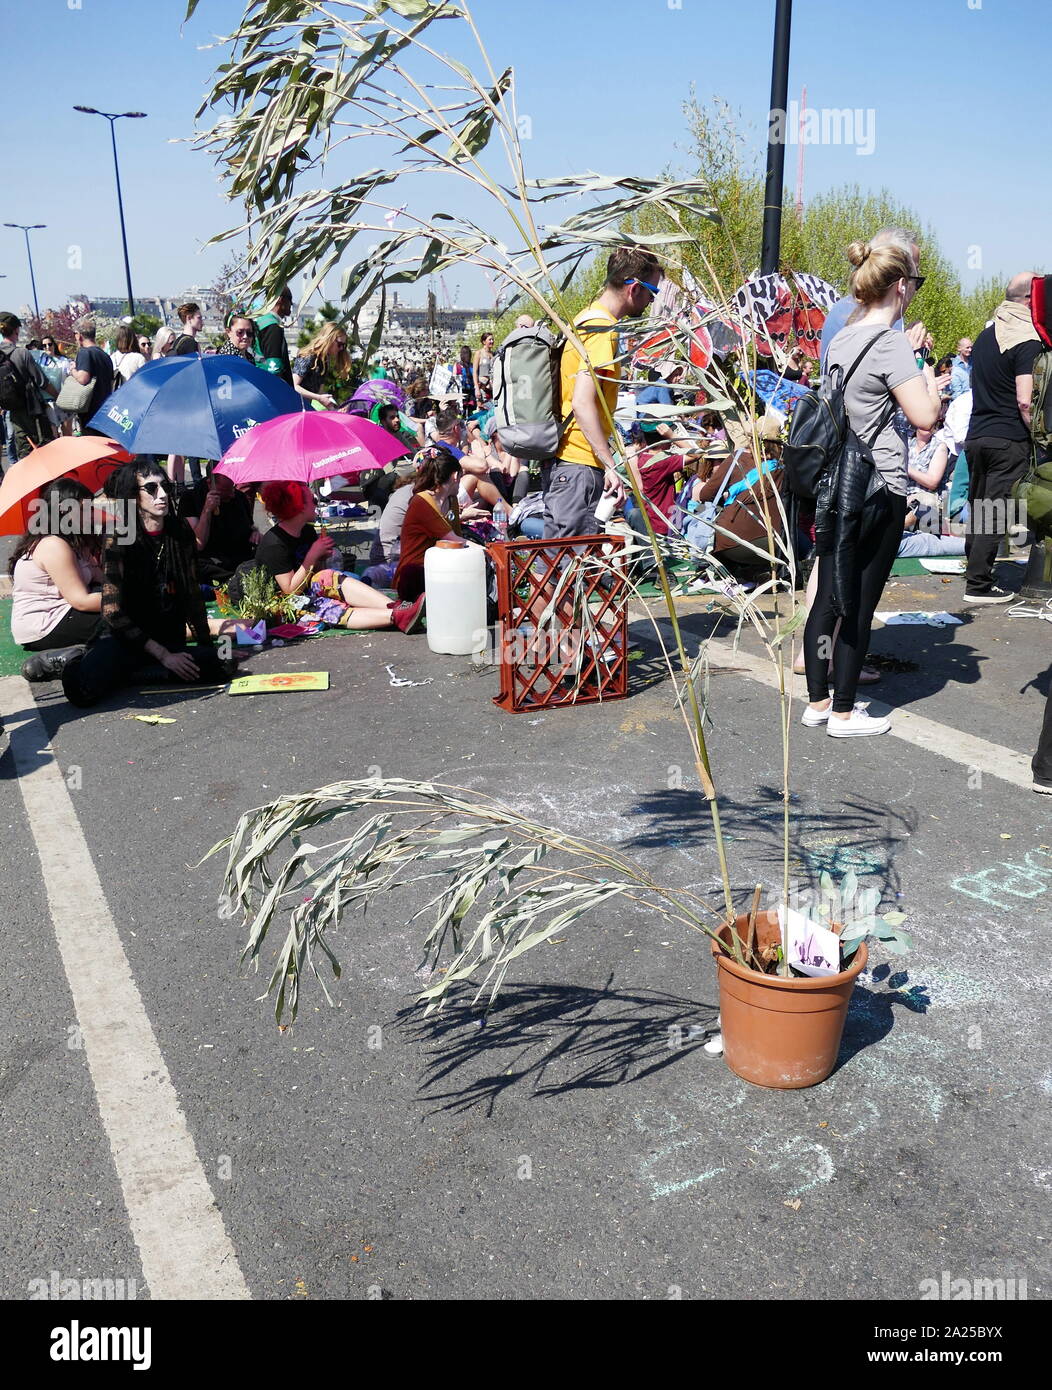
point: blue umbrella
(195, 406)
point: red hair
(284, 499)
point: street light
(32, 227)
(772, 201)
(112, 117)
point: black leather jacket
(850, 503)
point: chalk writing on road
(1000, 883)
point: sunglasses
(918, 280)
(645, 283)
(241, 332)
(152, 489)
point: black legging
(73, 629)
(876, 555)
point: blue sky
(956, 102)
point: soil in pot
(781, 1032)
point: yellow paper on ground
(280, 683)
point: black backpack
(818, 429)
(12, 384)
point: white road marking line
(964, 749)
(929, 734)
(185, 1250)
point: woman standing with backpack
(126, 359)
(857, 545)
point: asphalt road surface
(158, 1129)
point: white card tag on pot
(812, 949)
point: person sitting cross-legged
(150, 596)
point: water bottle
(500, 521)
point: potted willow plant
(300, 84)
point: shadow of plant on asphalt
(559, 1037)
(871, 1013)
(862, 835)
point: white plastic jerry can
(455, 585)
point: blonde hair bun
(858, 252)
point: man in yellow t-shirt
(584, 470)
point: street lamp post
(32, 227)
(772, 201)
(113, 117)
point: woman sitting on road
(324, 356)
(432, 516)
(150, 596)
(57, 582)
(293, 553)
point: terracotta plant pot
(779, 1032)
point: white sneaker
(814, 718)
(858, 723)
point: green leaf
(797, 620)
(893, 919)
(899, 944)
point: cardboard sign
(280, 684)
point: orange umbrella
(90, 459)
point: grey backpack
(527, 396)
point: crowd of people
(943, 437)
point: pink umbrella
(307, 447)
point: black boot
(49, 666)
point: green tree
(328, 313)
(145, 325)
(726, 253)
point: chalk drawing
(999, 883)
(795, 1165)
(667, 1189)
(812, 1157)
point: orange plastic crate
(562, 661)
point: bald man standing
(998, 442)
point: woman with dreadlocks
(150, 596)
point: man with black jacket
(23, 401)
(998, 442)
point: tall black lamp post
(113, 118)
(772, 202)
(32, 227)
